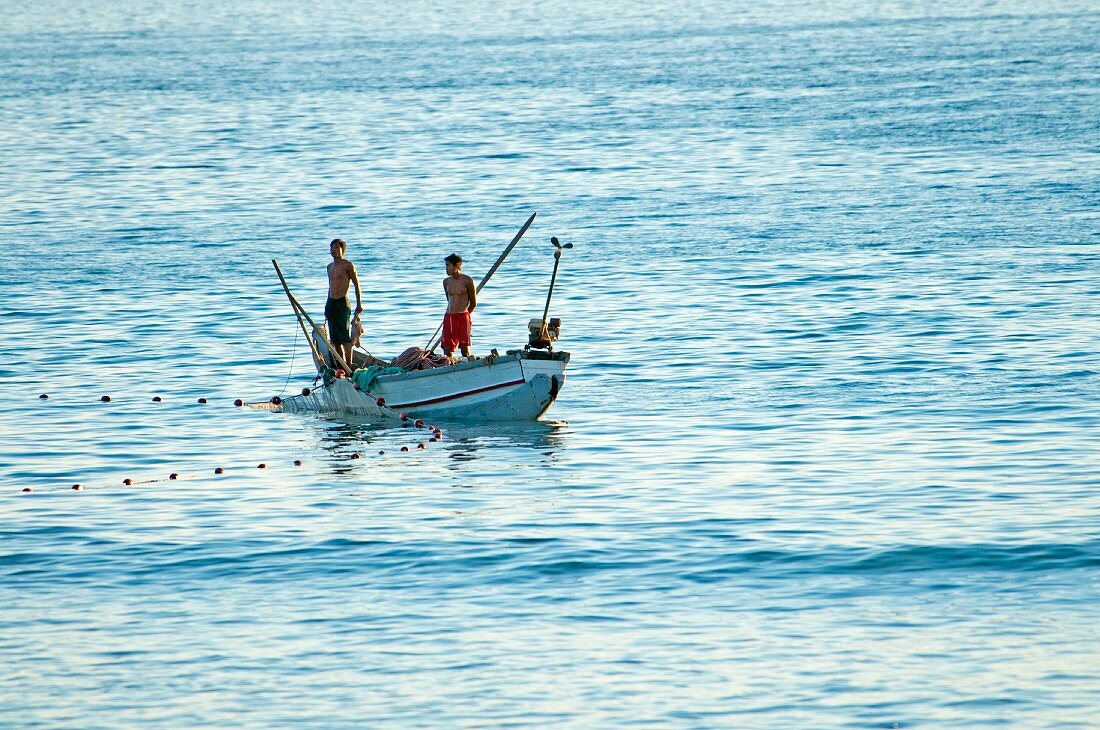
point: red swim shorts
(456, 331)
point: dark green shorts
(338, 316)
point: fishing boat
(519, 385)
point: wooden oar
(485, 278)
(300, 310)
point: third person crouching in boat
(461, 300)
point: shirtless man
(341, 274)
(461, 300)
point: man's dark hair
(340, 242)
(454, 259)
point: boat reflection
(464, 442)
(346, 439)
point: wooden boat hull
(519, 386)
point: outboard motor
(540, 335)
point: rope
(293, 349)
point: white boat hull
(519, 386)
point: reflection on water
(545, 438)
(345, 438)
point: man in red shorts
(461, 300)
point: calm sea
(829, 454)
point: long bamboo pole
(317, 359)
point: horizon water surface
(828, 454)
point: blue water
(829, 454)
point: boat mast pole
(553, 277)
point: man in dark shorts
(341, 275)
(461, 300)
